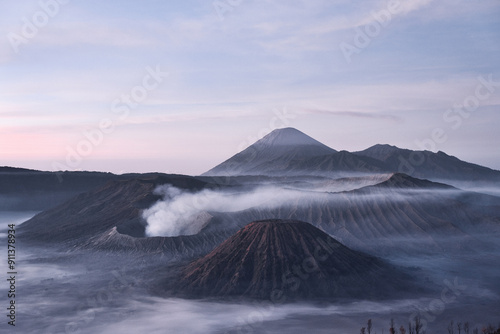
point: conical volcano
(273, 153)
(291, 137)
(288, 260)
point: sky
(180, 86)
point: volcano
(285, 260)
(275, 152)
(290, 152)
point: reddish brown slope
(288, 259)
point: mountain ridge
(427, 164)
(305, 156)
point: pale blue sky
(230, 74)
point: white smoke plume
(185, 213)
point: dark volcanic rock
(288, 260)
(117, 204)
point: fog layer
(109, 293)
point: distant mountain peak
(404, 181)
(385, 147)
(289, 137)
(272, 154)
(290, 152)
(380, 151)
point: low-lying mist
(108, 293)
(13, 217)
(100, 292)
(490, 188)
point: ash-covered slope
(117, 204)
(338, 164)
(273, 154)
(184, 246)
(109, 219)
(399, 213)
(289, 260)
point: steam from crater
(185, 213)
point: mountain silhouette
(427, 164)
(289, 152)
